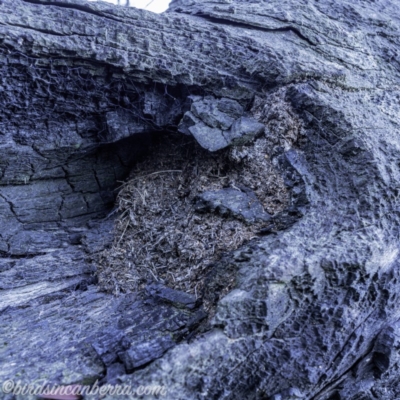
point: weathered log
(313, 313)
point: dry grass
(159, 236)
(283, 125)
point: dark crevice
(46, 31)
(77, 7)
(11, 205)
(11, 256)
(339, 355)
(221, 21)
(96, 178)
(60, 208)
(331, 386)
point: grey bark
(314, 313)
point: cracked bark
(83, 86)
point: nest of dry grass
(160, 237)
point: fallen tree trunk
(313, 310)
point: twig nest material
(184, 206)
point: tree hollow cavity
(184, 206)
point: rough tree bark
(314, 313)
